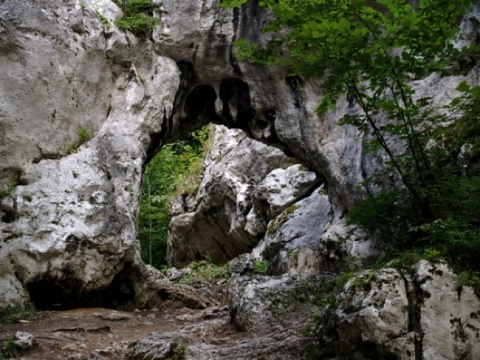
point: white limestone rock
(241, 265)
(425, 313)
(242, 184)
(75, 128)
(373, 308)
(68, 210)
(303, 260)
(448, 312)
(282, 187)
(13, 293)
(157, 346)
(24, 340)
(261, 304)
(293, 239)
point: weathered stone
(303, 260)
(282, 187)
(373, 310)
(154, 291)
(24, 341)
(447, 313)
(70, 218)
(282, 345)
(262, 304)
(382, 313)
(158, 347)
(242, 187)
(300, 225)
(241, 265)
(175, 274)
(85, 107)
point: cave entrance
(174, 173)
(66, 293)
(174, 169)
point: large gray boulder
(423, 313)
(244, 185)
(80, 102)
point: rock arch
(84, 111)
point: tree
(370, 52)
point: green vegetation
(137, 16)
(469, 278)
(173, 173)
(9, 350)
(280, 219)
(15, 313)
(260, 267)
(369, 53)
(177, 350)
(105, 21)
(83, 135)
(205, 270)
(12, 180)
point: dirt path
(98, 333)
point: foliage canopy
(369, 54)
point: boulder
(267, 304)
(390, 313)
(245, 184)
(158, 347)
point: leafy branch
(370, 53)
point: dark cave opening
(65, 294)
(200, 104)
(237, 108)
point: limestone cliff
(81, 119)
(245, 184)
(83, 109)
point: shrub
(260, 267)
(14, 313)
(204, 270)
(137, 17)
(9, 349)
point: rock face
(245, 184)
(419, 314)
(84, 107)
(76, 129)
(262, 305)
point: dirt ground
(98, 333)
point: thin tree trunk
(149, 189)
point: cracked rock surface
(422, 314)
(84, 107)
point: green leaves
(137, 16)
(174, 171)
(231, 3)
